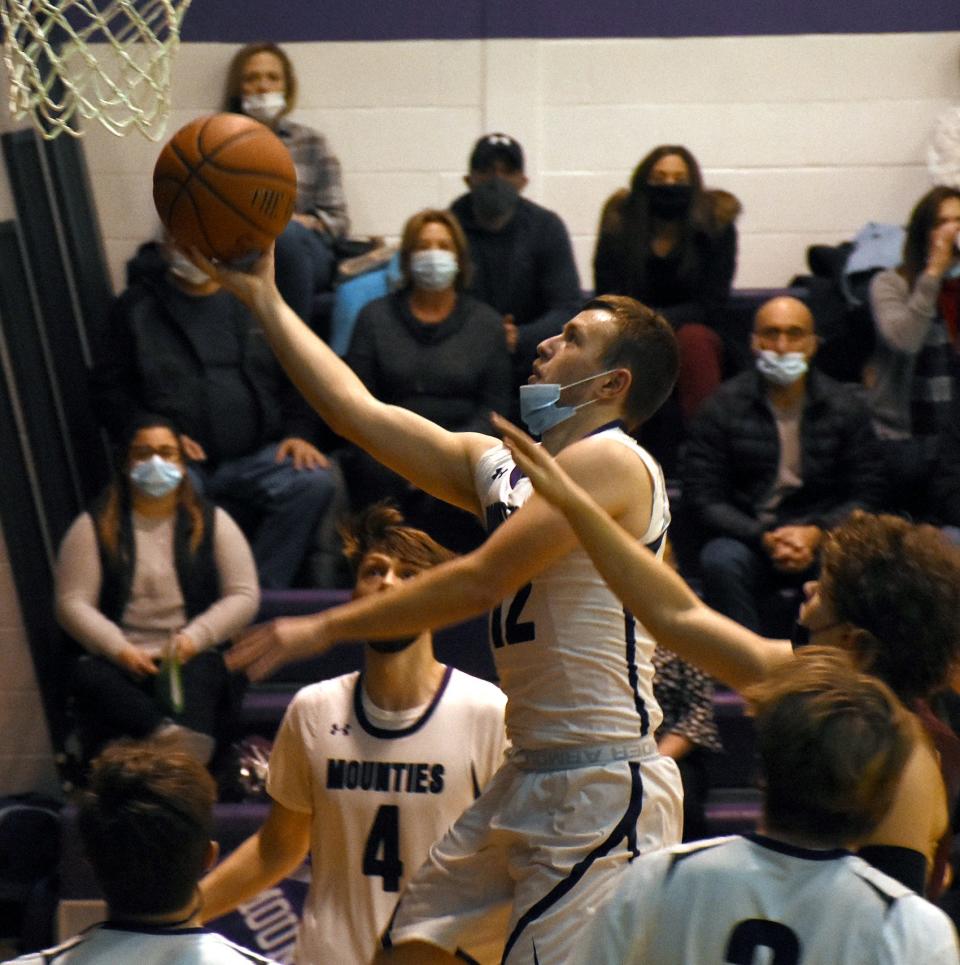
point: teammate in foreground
(889, 594)
(584, 789)
(145, 820)
(368, 770)
(832, 744)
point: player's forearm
(244, 873)
(660, 599)
(437, 598)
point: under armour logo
(499, 139)
(499, 472)
(337, 729)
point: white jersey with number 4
(380, 795)
(577, 668)
(752, 900)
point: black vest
(197, 572)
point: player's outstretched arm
(435, 460)
(266, 857)
(656, 595)
(532, 539)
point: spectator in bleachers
(146, 822)
(521, 253)
(434, 349)
(262, 84)
(911, 377)
(178, 345)
(776, 457)
(346, 778)
(153, 570)
(672, 244)
(833, 745)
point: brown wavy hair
(898, 582)
(116, 502)
(381, 528)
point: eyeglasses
(143, 453)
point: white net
(107, 60)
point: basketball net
(107, 60)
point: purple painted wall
(241, 21)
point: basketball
(226, 185)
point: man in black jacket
(522, 258)
(178, 345)
(776, 457)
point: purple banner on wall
(242, 21)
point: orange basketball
(225, 184)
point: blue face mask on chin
(540, 407)
(156, 477)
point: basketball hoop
(107, 60)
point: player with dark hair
(146, 822)
(369, 769)
(585, 788)
(833, 743)
(889, 593)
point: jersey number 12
(381, 854)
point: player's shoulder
(465, 689)
(323, 691)
(220, 950)
(612, 455)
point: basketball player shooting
(584, 789)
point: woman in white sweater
(153, 570)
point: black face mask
(494, 200)
(669, 201)
(392, 646)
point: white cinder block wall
(815, 134)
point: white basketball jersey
(755, 901)
(146, 946)
(379, 798)
(576, 667)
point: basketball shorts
(536, 853)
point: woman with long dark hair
(153, 571)
(911, 376)
(672, 244)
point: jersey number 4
(514, 630)
(381, 854)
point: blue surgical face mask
(781, 369)
(156, 477)
(433, 269)
(540, 407)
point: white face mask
(539, 404)
(181, 266)
(781, 369)
(264, 108)
(433, 269)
